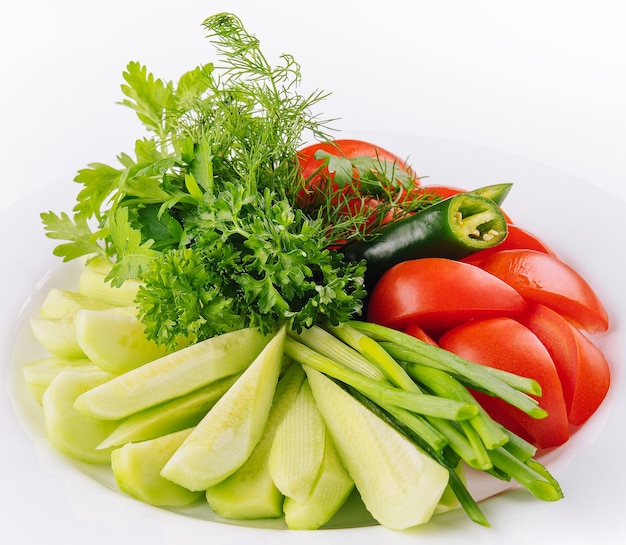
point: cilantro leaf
(133, 255)
(148, 96)
(76, 230)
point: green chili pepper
(454, 228)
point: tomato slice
(516, 239)
(555, 333)
(545, 279)
(582, 368)
(503, 343)
(416, 331)
(438, 293)
(593, 380)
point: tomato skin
(416, 331)
(582, 368)
(517, 239)
(348, 148)
(545, 279)
(556, 335)
(593, 380)
(442, 191)
(438, 293)
(506, 344)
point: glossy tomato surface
(582, 368)
(317, 175)
(545, 279)
(506, 344)
(439, 293)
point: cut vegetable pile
(270, 327)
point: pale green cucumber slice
(180, 413)
(399, 484)
(298, 448)
(226, 436)
(58, 303)
(58, 336)
(115, 340)
(39, 374)
(250, 492)
(330, 491)
(71, 432)
(92, 284)
(173, 375)
(137, 467)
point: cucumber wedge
(330, 491)
(115, 340)
(250, 492)
(173, 375)
(175, 415)
(71, 432)
(400, 485)
(92, 284)
(137, 467)
(58, 303)
(58, 336)
(298, 448)
(39, 374)
(226, 436)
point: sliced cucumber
(250, 492)
(58, 336)
(40, 373)
(226, 436)
(180, 413)
(115, 340)
(330, 491)
(173, 375)
(137, 467)
(400, 485)
(298, 448)
(92, 284)
(71, 432)
(58, 303)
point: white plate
(45, 496)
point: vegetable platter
(560, 459)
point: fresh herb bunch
(205, 212)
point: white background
(542, 79)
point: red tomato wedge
(582, 368)
(506, 344)
(594, 379)
(555, 333)
(439, 293)
(517, 239)
(545, 279)
(416, 331)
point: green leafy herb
(204, 211)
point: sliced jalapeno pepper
(454, 228)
